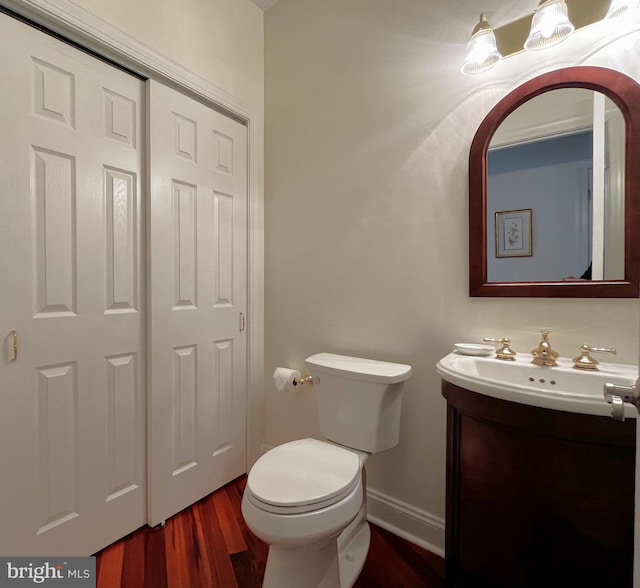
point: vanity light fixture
(617, 7)
(549, 26)
(482, 52)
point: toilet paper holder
(305, 378)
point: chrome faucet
(543, 354)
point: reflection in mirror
(554, 194)
(555, 190)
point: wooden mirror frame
(625, 92)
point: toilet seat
(302, 476)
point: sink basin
(560, 388)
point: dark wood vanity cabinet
(536, 498)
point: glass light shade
(549, 26)
(617, 7)
(482, 52)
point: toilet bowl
(307, 498)
(299, 498)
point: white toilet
(307, 498)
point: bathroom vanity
(540, 478)
(536, 497)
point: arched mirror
(554, 189)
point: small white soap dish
(474, 349)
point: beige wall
(368, 127)
(220, 40)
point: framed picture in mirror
(514, 237)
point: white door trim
(85, 28)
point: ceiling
(452, 18)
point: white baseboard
(406, 521)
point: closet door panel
(73, 423)
(198, 236)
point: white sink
(561, 387)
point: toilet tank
(359, 400)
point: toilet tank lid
(358, 368)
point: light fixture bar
(509, 37)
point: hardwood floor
(209, 545)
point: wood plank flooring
(209, 545)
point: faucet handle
(505, 352)
(584, 361)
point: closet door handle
(14, 334)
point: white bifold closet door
(72, 422)
(197, 300)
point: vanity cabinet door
(536, 497)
